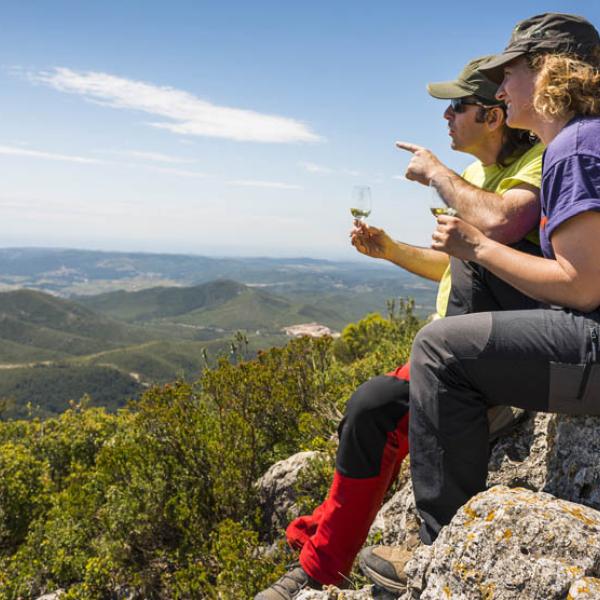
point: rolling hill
(218, 305)
(54, 350)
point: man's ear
(495, 118)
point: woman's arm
(572, 280)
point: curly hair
(566, 84)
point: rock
(504, 544)
(52, 596)
(333, 593)
(397, 518)
(587, 588)
(552, 453)
(276, 489)
(509, 544)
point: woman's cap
(546, 33)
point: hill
(54, 350)
(221, 305)
(69, 272)
(39, 320)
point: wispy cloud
(152, 156)
(313, 168)
(323, 170)
(187, 114)
(178, 172)
(265, 184)
(14, 151)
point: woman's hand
(370, 241)
(457, 238)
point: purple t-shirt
(570, 176)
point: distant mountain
(53, 350)
(115, 322)
(160, 302)
(77, 272)
(42, 322)
(225, 305)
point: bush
(159, 500)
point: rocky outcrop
(333, 593)
(552, 453)
(276, 489)
(587, 588)
(539, 541)
(509, 544)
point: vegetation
(158, 500)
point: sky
(229, 128)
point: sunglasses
(459, 105)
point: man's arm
(376, 243)
(505, 218)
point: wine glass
(437, 204)
(361, 202)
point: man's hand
(457, 238)
(423, 166)
(370, 241)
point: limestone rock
(587, 588)
(52, 596)
(397, 517)
(509, 544)
(552, 453)
(333, 593)
(276, 489)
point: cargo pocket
(574, 389)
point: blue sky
(229, 128)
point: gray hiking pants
(541, 360)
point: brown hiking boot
(289, 585)
(384, 565)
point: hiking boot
(289, 585)
(384, 565)
(502, 420)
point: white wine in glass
(361, 202)
(437, 205)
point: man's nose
(449, 113)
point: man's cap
(470, 82)
(546, 33)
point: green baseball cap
(470, 82)
(546, 33)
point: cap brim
(494, 68)
(447, 90)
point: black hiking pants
(541, 360)
(377, 406)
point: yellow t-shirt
(494, 178)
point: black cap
(546, 33)
(470, 82)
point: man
(373, 432)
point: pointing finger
(409, 147)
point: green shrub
(159, 500)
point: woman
(554, 91)
(542, 359)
